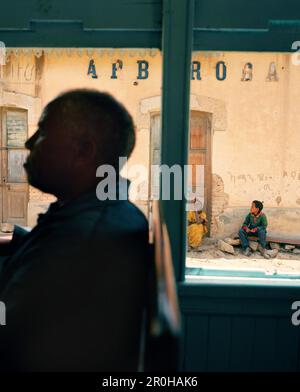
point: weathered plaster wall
(255, 124)
(72, 71)
(280, 221)
(60, 71)
(257, 155)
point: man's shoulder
(97, 210)
(112, 228)
(119, 216)
(120, 233)
(124, 215)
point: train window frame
(140, 27)
(277, 37)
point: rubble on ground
(233, 241)
(225, 247)
(273, 252)
(289, 247)
(274, 245)
(212, 254)
(253, 245)
(230, 247)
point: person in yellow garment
(197, 226)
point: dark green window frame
(177, 27)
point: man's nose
(31, 141)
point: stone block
(289, 247)
(253, 245)
(224, 247)
(233, 242)
(273, 252)
(274, 245)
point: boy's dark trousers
(261, 234)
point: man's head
(77, 132)
(256, 207)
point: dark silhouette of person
(74, 287)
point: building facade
(243, 129)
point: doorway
(13, 181)
(199, 154)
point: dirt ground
(209, 256)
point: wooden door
(200, 154)
(154, 159)
(155, 143)
(14, 187)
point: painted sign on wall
(117, 67)
(117, 70)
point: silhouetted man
(74, 287)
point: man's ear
(86, 152)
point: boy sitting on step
(255, 224)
